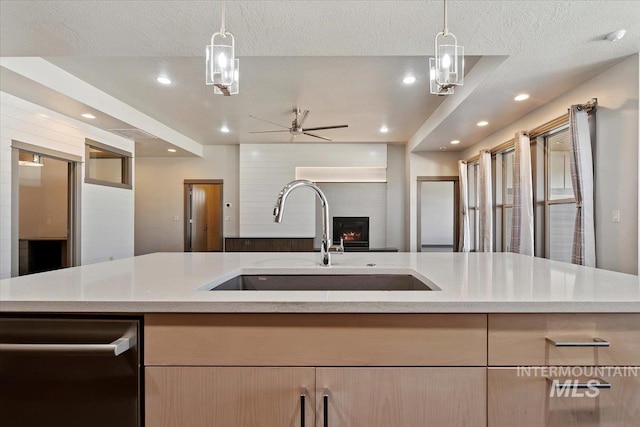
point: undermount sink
(325, 282)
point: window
(504, 199)
(106, 165)
(560, 204)
(472, 188)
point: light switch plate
(227, 218)
(176, 217)
(615, 216)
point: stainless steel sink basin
(325, 282)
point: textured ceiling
(552, 46)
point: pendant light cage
(222, 67)
(446, 68)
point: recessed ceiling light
(88, 116)
(163, 80)
(521, 97)
(384, 129)
(409, 80)
(455, 141)
(443, 148)
(171, 150)
(224, 129)
(483, 123)
(616, 35)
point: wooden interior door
(198, 219)
(229, 397)
(407, 397)
(213, 201)
(203, 217)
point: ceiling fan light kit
(446, 69)
(222, 67)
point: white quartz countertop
(179, 282)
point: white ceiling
(343, 60)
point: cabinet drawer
(564, 339)
(316, 339)
(525, 399)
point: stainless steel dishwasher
(69, 372)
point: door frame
(456, 207)
(187, 209)
(74, 201)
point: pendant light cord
(222, 27)
(446, 29)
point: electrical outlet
(615, 216)
(48, 221)
(227, 218)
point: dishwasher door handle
(117, 347)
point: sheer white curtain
(464, 243)
(584, 240)
(522, 223)
(485, 203)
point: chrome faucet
(325, 248)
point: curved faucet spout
(278, 212)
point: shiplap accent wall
(266, 168)
(107, 230)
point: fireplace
(353, 229)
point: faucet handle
(337, 249)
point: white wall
(616, 157)
(266, 168)
(436, 212)
(160, 195)
(396, 184)
(424, 164)
(107, 212)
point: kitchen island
(453, 356)
(468, 283)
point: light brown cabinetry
(406, 397)
(549, 339)
(525, 399)
(540, 366)
(230, 397)
(249, 369)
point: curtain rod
(590, 106)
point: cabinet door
(524, 397)
(402, 397)
(226, 397)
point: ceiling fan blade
(327, 127)
(293, 136)
(316, 136)
(276, 124)
(303, 117)
(270, 131)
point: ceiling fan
(296, 126)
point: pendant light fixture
(222, 66)
(446, 69)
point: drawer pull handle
(116, 348)
(590, 384)
(596, 342)
(302, 415)
(325, 399)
